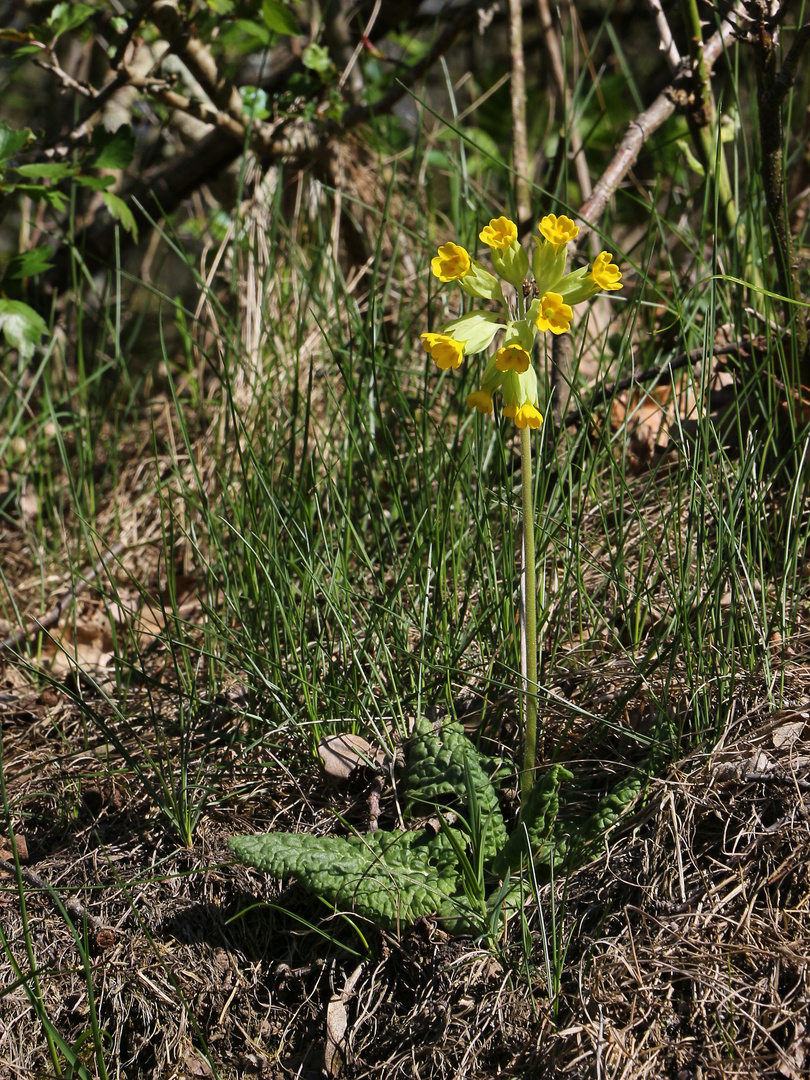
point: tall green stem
(703, 116)
(528, 621)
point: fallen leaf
(787, 735)
(343, 755)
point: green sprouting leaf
(317, 58)
(278, 18)
(121, 212)
(22, 327)
(436, 770)
(538, 816)
(29, 263)
(392, 878)
(12, 139)
(65, 17)
(254, 100)
(53, 196)
(113, 149)
(48, 170)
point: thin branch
(637, 133)
(70, 904)
(197, 57)
(135, 20)
(661, 375)
(551, 44)
(666, 40)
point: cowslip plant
(544, 304)
(462, 871)
(395, 877)
(465, 870)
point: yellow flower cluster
(510, 370)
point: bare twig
(133, 23)
(661, 375)
(637, 133)
(72, 906)
(551, 44)
(197, 57)
(667, 42)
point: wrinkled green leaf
(317, 58)
(22, 327)
(254, 100)
(436, 773)
(12, 139)
(392, 878)
(538, 816)
(121, 212)
(113, 149)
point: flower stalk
(528, 621)
(510, 373)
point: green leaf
(48, 170)
(436, 772)
(121, 212)
(390, 877)
(95, 183)
(255, 32)
(538, 816)
(29, 263)
(254, 100)
(317, 58)
(22, 327)
(113, 149)
(278, 18)
(65, 17)
(220, 7)
(12, 139)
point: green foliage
(113, 149)
(22, 327)
(395, 877)
(438, 766)
(539, 816)
(390, 877)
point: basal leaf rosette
(510, 370)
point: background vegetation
(241, 511)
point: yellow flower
(554, 314)
(481, 400)
(558, 230)
(452, 263)
(606, 276)
(500, 234)
(528, 416)
(445, 350)
(512, 358)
